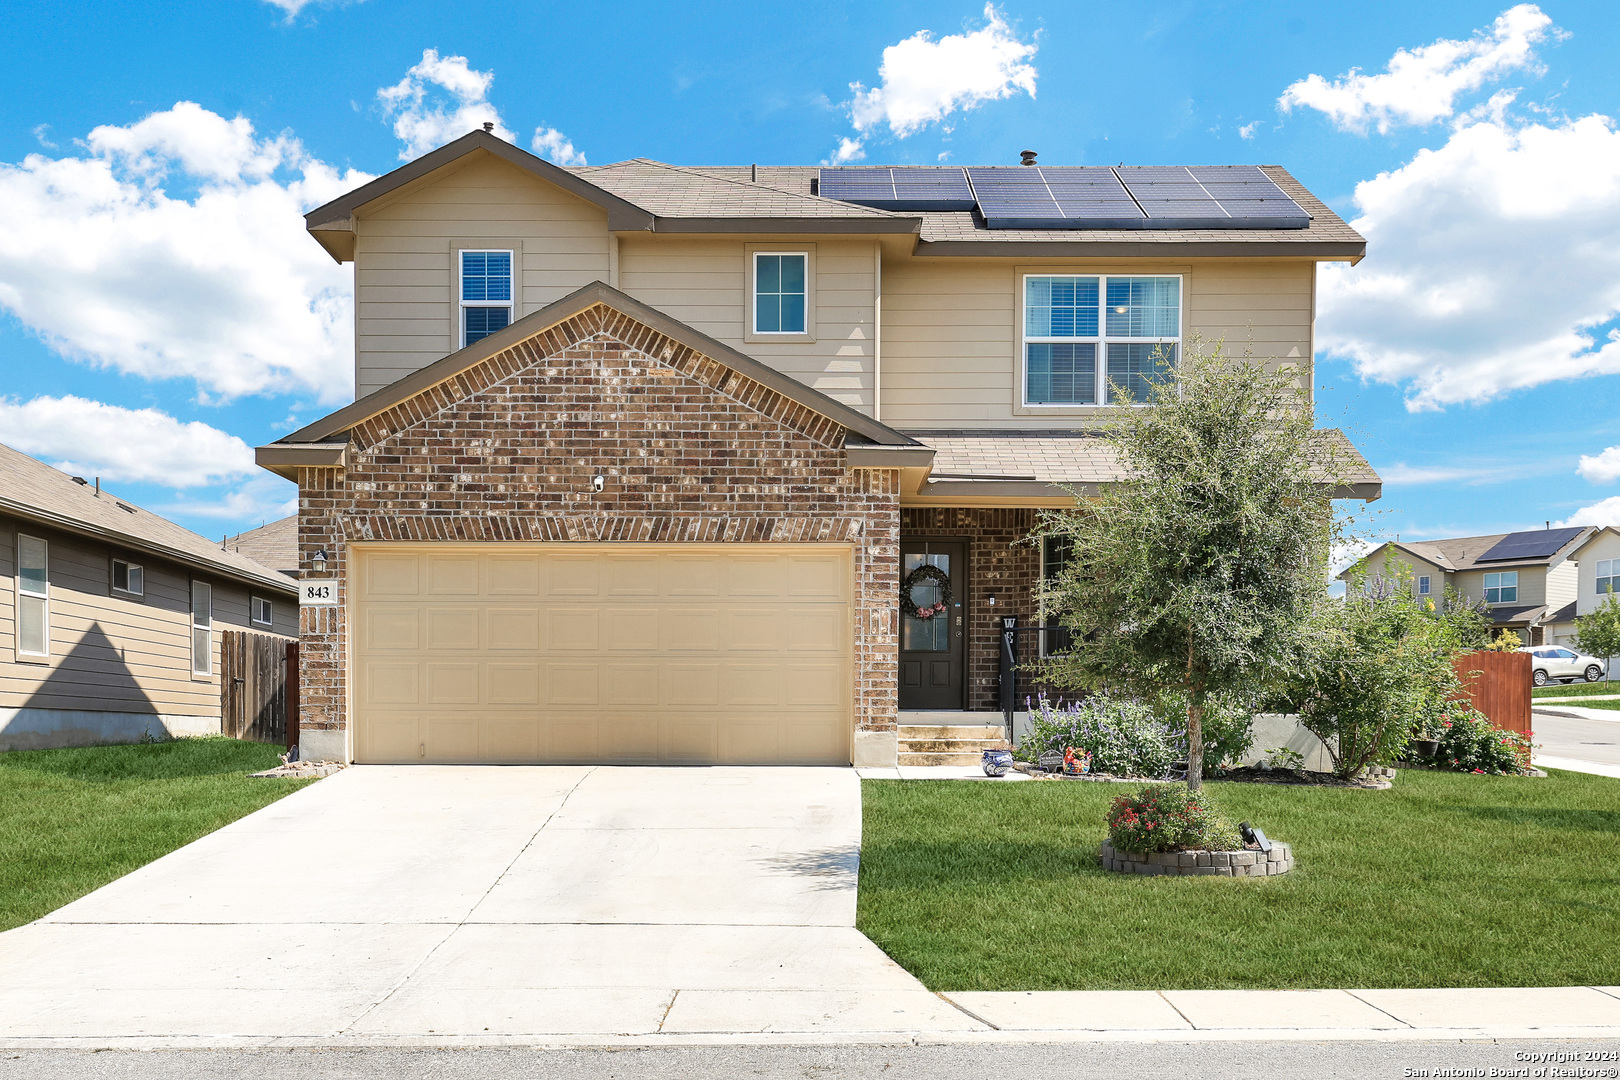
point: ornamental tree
(1598, 631)
(1200, 572)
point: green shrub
(1469, 742)
(1169, 817)
(1123, 737)
(1228, 727)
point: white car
(1554, 663)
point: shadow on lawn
(172, 760)
(1550, 818)
(968, 862)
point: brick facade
(999, 562)
(692, 451)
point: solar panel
(898, 187)
(1537, 544)
(1053, 197)
(1211, 197)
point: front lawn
(1601, 704)
(1575, 690)
(1443, 880)
(73, 820)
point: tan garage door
(601, 653)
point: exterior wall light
(319, 561)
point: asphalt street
(1583, 740)
(1114, 1060)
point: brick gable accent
(691, 451)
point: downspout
(877, 330)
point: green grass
(1443, 880)
(1576, 690)
(1597, 704)
(73, 820)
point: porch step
(972, 732)
(909, 758)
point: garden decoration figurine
(1050, 761)
(1076, 764)
(925, 574)
(997, 762)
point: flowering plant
(1469, 742)
(1169, 817)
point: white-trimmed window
(1083, 332)
(1055, 552)
(1502, 588)
(128, 577)
(202, 628)
(259, 613)
(33, 596)
(1423, 585)
(486, 293)
(781, 292)
(1608, 576)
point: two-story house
(1526, 581)
(738, 464)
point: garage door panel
(452, 628)
(391, 628)
(591, 653)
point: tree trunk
(1195, 741)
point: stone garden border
(1279, 860)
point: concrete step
(950, 731)
(907, 758)
(952, 746)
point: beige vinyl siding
(1605, 545)
(406, 291)
(1377, 565)
(112, 653)
(951, 330)
(1562, 583)
(703, 282)
(1532, 584)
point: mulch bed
(1250, 774)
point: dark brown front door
(931, 648)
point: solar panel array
(897, 188)
(1537, 544)
(1078, 196)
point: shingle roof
(1079, 458)
(31, 489)
(1563, 614)
(673, 191)
(1463, 552)
(274, 545)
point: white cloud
(1602, 469)
(850, 150)
(1247, 130)
(1421, 85)
(219, 282)
(263, 498)
(89, 438)
(439, 100)
(1491, 262)
(291, 7)
(1606, 512)
(556, 147)
(1471, 475)
(922, 80)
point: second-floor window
(1423, 585)
(1084, 332)
(202, 628)
(128, 577)
(259, 611)
(1502, 588)
(33, 596)
(780, 295)
(1608, 576)
(486, 293)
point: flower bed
(1246, 863)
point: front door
(933, 625)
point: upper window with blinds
(486, 293)
(1098, 339)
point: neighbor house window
(1502, 588)
(1608, 576)
(1055, 552)
(259, 611)
(33, 597)
(128, 577)
(1086, 335)
(780, 292)
(1423, 585)
(486, 293)
(202, 628)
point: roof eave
(1318, 250)
(148, 547)
(866, 226)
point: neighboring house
(274, 545)
(110, 616)
(644, 453)
(1599, 575)
(1527, 581)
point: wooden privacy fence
(258, 687)
(1498, 685)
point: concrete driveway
(446, 901)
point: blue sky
(163, 311)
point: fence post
(292, 694)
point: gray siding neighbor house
(110, 616)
